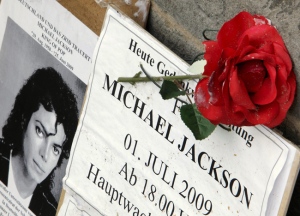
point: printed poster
(133, 155)
(44, 69)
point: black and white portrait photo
(40, 104)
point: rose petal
(261, 20)
(283, 88)
(268, 92)
(267, 47)
(285, 106)
(238, 91)
(244, 48)
(284, 91)
(212, 56)
(214, 89)
(232, 116)
(216, 82)
(228, 53)
(230, 32)
(282, 53)
(252, 73)
(281, 69)
(209, 111)
(262, 34)
(259, 55)
(263, 115)
(227, 66)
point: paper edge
(289, 189)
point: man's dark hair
(45, 87)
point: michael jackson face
(42, 144)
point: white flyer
(133, 155)
(45, 62)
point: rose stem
(148, 78)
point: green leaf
(170, 90)
(200, 126)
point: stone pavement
(179, 25)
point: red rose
(249, 74)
